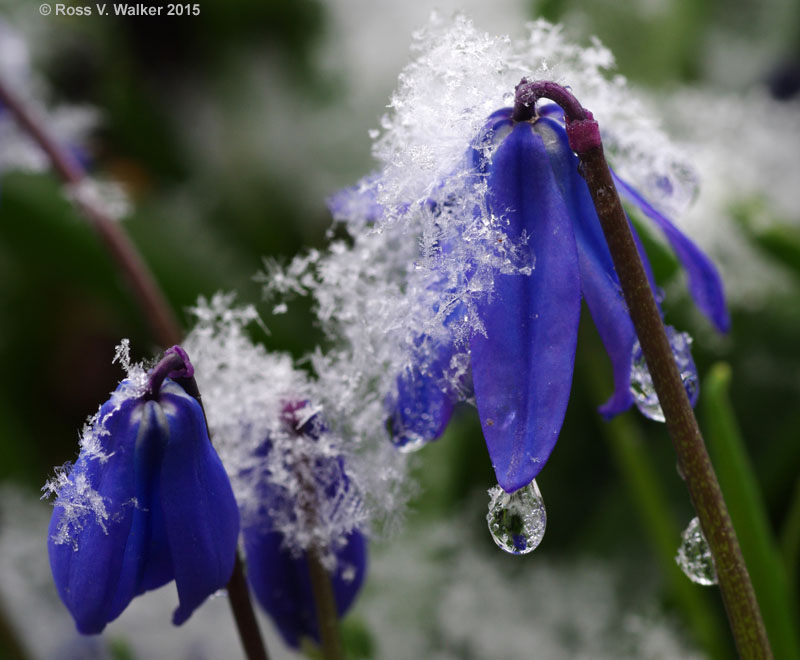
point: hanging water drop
(694, 556)
(517, 520)
(644, 394)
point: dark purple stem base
(693, 460)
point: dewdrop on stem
(644, 393)
(694, 556)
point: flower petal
(522, 367)
(94, 566)
(200, 512)
(282, 583)
(157, 569)
(599, 282)
(150, 441)
(421, 410)
(705, 284)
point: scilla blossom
(522, 360)
(147, 502)
(476, 240)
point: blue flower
(522, 363)
(279, 577)
(161, 504)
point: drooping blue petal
(96, 564)
(599, 282)
(150, 442)
(157, 569)
(282, 583)
(200, 513)
(705, 284)
(421, 409)
(522, 368)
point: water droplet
(411, 442)
(644, 394)
(517, 520)
(694, 556)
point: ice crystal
(460, 76)
(81, 503)
(352, 480)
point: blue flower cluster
(164, 510)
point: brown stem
(244, 615)
(151, 300)
(701, 480)
(164, 327)
(325, 606)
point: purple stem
(145, 289)
(693, 460)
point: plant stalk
(151, 300)
(155, 309)
(325, 605)
(704, 490)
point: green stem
(790, 537)
(154, 307)
(704, 490)
(325, 605)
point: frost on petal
(78, 502)
(92, 520)
(246, 390)
(422, 242)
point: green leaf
(790, 537)
(749, 515)
(778, 240)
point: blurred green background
(229, 129)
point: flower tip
(181, 615)
(187, 371)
